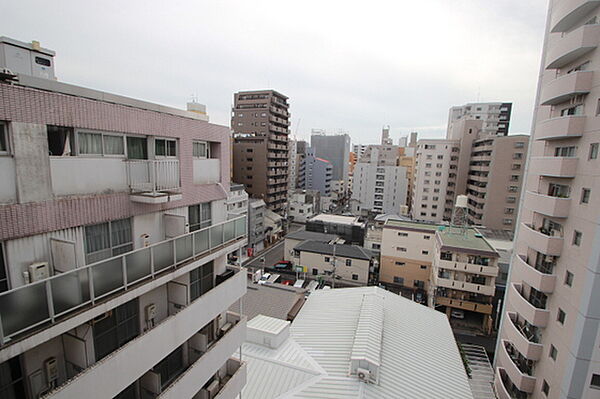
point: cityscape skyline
(357, 100)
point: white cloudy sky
(344, 64)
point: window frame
(206, 149)
(4, 266)
(4, 136)
(102, 154)
(111, 247)
(166, 140)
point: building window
(507, 222)
(399, 280)
(519, 144)
(327, 259)
(170, 367)
(569, 278)
(105, 240)
(585, 195)
(315, 272)
(114, 329)
(348, 262)
(402, 234)
(3, 138)
(165, 148)
(423, 267)
(201, 280)
(594, 150)
(11, 379)
(3, 272)
(419, 284)
(426, 237)
(355, 277)
(553, 352)
(199, 216)
(401, 249)
(400, 263)
(560, 317)
(545, 388)
(425, 252)
(595, 383)
(577, 235)
(201, 149)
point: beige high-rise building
(260, 124)
(471, 161)
(549, 343)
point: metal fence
(153, 175)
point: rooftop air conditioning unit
(363, 374)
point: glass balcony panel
(216, 235)
(107, 276)
(201, 241)
(163, 255)
(229, 230)
(22, 308)
(138, 265)
(70, 290)
(184, 248)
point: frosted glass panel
(69, 291)
(108, 276)
(163, 255)
(184, 248)
(216, 235)
(201, 241)
(240, 227)
(229, 230)
(23, 307)
(138, 265)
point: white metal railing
(32, 305)
(153, 175)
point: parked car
(283, 264)
(457, 314)
(287, 282)
(264, 278)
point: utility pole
(333, 263)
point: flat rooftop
(336, 219)
(464, 239)
(411, 225)
(311, 235)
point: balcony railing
(34, 305)
(144, 175)
(524, 365)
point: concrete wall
(8, 183)
(207, 171)
(81, 175)
(317, 261)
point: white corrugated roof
(414, 344)
(267, 324)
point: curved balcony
(504, 388)
(547, 205)
(523, 337)
(543, 243)
(563, 127)
(566, 87)
(567, 14)
(513, 365)
(565, 167)
(537, 279)
(535, 316)
(572, 46)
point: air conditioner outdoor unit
(363, 374)
(38, 271)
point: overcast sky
(352, 66)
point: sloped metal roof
(418, 355)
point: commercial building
(237, 201)
(113, 244)
(260, 124)
(486, 167)
(292, 166)
(335, 149)
(495, 116)
(548, 344)
(315, 173)
(297, 237)
(304, 204)
(350, 228)
(351, 264)
(360, 342)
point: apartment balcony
(464, 304)
(547, 205)
(478, 178)
(535, 277)
(548, 244)
(565, 167)
(279, 111)
(133, 359)
(524, 337)
(277, 155)
(468, 267)
(567, 14)
(516, 370)
(535, 316)
(465, 286)
(55, 304)
(563, 127)
(565, 87)
(277, 129)
(276, 137)
(153, 181)
(504, 388)
(480, 168)
(572, 46)
(273, 146)
(219, 353)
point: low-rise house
(350, 228)
(256, 225)
(273, 226)
(348, 263)
(297, 237)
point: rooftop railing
(35, 305)
(151, 175)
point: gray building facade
(315, 173)
(335, 149)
